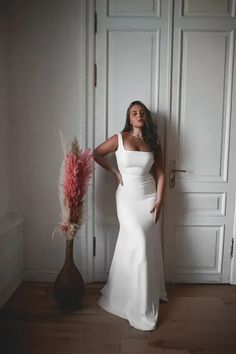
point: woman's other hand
(118, 176)
(156, 210)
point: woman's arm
(160, 178)
(160, 188)
(110, 145)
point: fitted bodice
(133, 162)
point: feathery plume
(75, 172)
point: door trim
(89, 131)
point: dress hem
(121, 315)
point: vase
(69, 284)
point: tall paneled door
(178, 57)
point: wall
(4, 162)
(46, 94)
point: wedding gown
(136, 278)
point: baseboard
(7, 292)
(38, 276)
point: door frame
(90, 38)
(89, 122)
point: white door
(134, 61)
(132, 64)
(199, 208)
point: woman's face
(137, 116)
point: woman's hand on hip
(118, 176)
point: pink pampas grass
(76, 170)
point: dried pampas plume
(75, 172)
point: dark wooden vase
(69, 284)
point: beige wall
(46, 94)
(4, 157)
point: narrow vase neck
(69, 251)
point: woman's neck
(137, 132)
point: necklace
(139, 137)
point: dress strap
(119, 140)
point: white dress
(136, 278)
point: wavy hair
(150, 130)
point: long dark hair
(150, 130)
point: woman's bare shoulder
(113, 140)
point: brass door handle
(178, 170)
(172, 171)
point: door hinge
(94, 246)
(95, 75)
(95, 23)
(232, 248)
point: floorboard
(198, 319)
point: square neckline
(121, 139)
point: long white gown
(136, 278)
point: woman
(136, 279)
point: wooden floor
(198, 319)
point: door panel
(205, 8)
(204, 124)
(198, 249)
(134, 8)
(132, 72)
